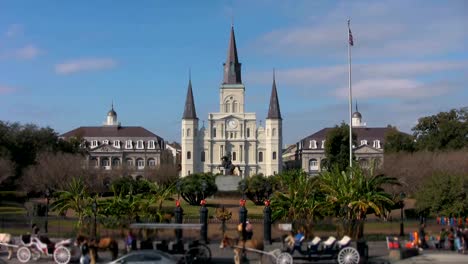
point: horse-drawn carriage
(33, 247)
(340, 250)
(192, 252)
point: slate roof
(108, 131)
(362, 133)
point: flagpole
(350, 99)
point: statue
(227, 165)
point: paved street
(377, 255)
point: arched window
(140, 163)
(363, 142)
(203, 156)
(313, 165)
(227, 107)
(116, 162)
(189, 155)
(274, 155)
(260, 156)
(152, 163)
(188, 132)
(105, 162)
(234, 107)
(214, 132)
(377, 143)
(129, 162)
(273, 132)
(248, 132)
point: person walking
(422, 236)
(84, 248)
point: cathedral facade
(231, 132)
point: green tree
(297, 198)
(75, 198)
(258, 187)
(350, 195)
(337, 147)
(396, 141)
(22, 143)
(443, 131)
(191, 187)
(444, 194)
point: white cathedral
(232, 132)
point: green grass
(12, 210)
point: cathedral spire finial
(356, 107)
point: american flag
(350, 38)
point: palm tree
(350, 195)
(75, 198)
(297, 198)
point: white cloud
(27, 52)
(14, 30)
(381, 30)
(390, 88)
(6, 90)
(90, 64)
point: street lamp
(178, 186)
(203, 189)
(47, 196)
(402, 204)
(243, 189)
(94, 207)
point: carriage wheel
(23, 254)
(62, 255)
(198, 254)
(348, 255)
(284, 258)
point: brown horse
(7, 239)
(240, 246)
(101, 244)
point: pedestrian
(442, 238)
(465, 240)
(459, 240)
(451, 239)
(422, 236)
(35, 229)
(248, 230)
(84, 247)
(129, 241)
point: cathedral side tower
(189, 135)
(274, 134)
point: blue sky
(63, 62)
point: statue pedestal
(227, 183)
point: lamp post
(204, 215)
(47, 196)
(267, 215)
(402, 203)
(94, 207)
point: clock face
(232, 123)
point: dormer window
(151, 144)
(105, 142)
(128, 144)
(313, 144)
(323, 144)
(94, 143)
(377, 143)
(139, 144)
(116, 143)
(363, 142)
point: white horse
(7, 239)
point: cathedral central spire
(274, 109)
(232, 67)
